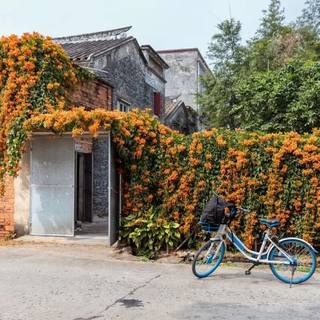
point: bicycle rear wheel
(208, 258)
(303, 265)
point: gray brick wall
(100, 176)
(132, 80)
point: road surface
(85, 283)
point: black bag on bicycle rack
(214, 213)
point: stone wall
(131, 78)
(7, 209)
(100, 174)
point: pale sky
(164, 24)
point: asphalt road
(87, 283)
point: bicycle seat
(270, 223)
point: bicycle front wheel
(303, 263)
(208, 258)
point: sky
(163, 24)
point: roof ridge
(177, 50)
(100, 35)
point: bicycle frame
(260, 256)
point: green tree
(224, 49)
(227, 55)
(217, 101)
(263, 47)
(287, 99)
(270, 84)
(310, 16)
(268, 54)
(272, 20)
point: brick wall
(7, 209)
(92, 94)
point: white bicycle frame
(254, 256)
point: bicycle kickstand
(293, 269)
(248, 272)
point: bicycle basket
(206, 227)
(214, 211)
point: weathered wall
(155, 83)
(22, 197)
(182, 76)
(92, 94)
(132, 80)
(127, 70)
(7, 209)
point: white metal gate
(52, 186)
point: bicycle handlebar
(234, 214)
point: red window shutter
(157, 103)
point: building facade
(186, 67)
(66, 186)
(70, 187)
(135, 72)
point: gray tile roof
(101, 35)
(84, 50)
(84, 46)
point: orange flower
(29, 66)
(220, 141)
(208, 165)
(248, 142)
(309, 205)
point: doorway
(86, 222)
(84, 187)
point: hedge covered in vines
(168, 177)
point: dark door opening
(87, 222)
(83, 191)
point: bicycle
(291, 260)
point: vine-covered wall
(168, 176)
(275, 175)
(35, 77)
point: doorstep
(90, 240)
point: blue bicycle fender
(307, 243)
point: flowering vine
(35, 75)
(165, 172)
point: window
(123, 106)
(157, 104)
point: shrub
(151, 233)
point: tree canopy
(310, 16)
(272, 82)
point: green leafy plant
(150, 233)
